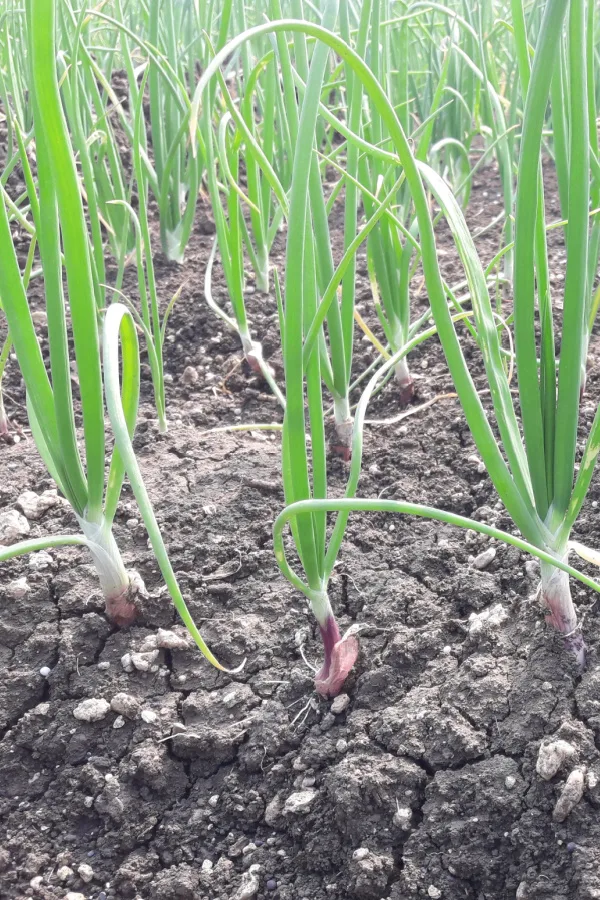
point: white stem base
(556, 595)
(116, 582)
(343, 421)
(404, 379)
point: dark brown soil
(421, 782)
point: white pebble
(250, 884)
(125, 705)
(33, 505)
(45, 671)
(63, 873)
(85, 872)
(18, 589)
(149, 716)
(570, 796)
(339, 704)
(483, 560)
(551, 757)
(126, 662)
(92, 710)
(143, 662)
(171, 640)
(39, 561)
(490, 618)
(299, 802)
(13, 526)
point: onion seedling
(61, 232)
(119, 331)
(536, 479)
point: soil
(420, 781)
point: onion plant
(178, 171)
(230, 232)
(91, 107)
(120, 332)
(62, 236)
(536, 477)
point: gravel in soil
(131, 769)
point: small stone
(250, 884)
(271, 884)
(341, 746)
(125, 705)
(18, 589)
(360, 853)
(570, 796)
(339, 704)
(299, 802)
(33, 506)
(249, 848)
(207, 866)
(36, 882)
(39, 561)
(149, 643)
(591, 780)
(104, 665)
(119, 722)
(402, 817)
(64, 872)
(327, 722)
(492, 617)
(434, 892)
(510, 782)
(546, 685)
(13, 526)
(75, 895)
(171, 640)
(273, 811)
(552, 756)
(91, 710)
(231, 698)
(149, 716)
(85, 872)
(126, 662)
(190, 375)
(143, 662)
(478, 463)
(45, 671)
(213, 801)
(483, 560)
